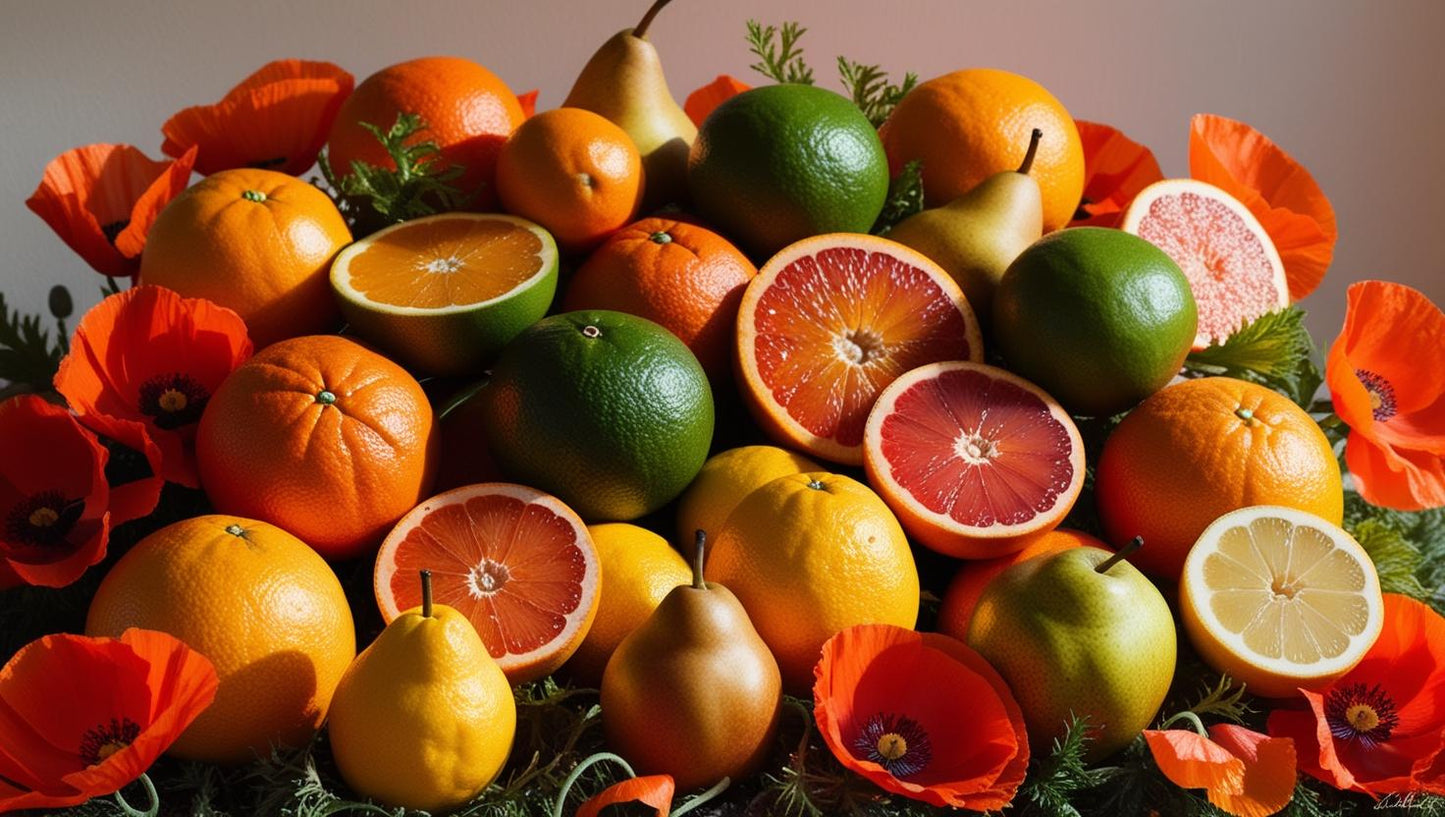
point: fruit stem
(426, 594)
(1028, 162)
(577, 772)
(640, 30)
(1123, 553)
(699, 558)
(720, 787)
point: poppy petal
(1401, 479)
(1377, 315)
(702, 101)
(1116, 168)
(131, 241)
(131, 496)
(1192, 761)
(1278, 190)
(651, 790)
(1269, 771)
(528, 101)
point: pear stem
(640, 30)
(1123, 553)
(699, 558)
(1028, 162)
(426, 594)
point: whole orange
(970, 124)
(260, 604)
(256, 241)
(323, 437)
(469, 112)
(685, 277)
(968, 584)
(1199, 449)
(573, 172)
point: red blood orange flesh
(515, 561)
(975, 461)
(1233, 268)
(829, 322)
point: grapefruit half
(1233, 268)
(515, 561)
(975, 461)
(829, 322)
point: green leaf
(905, 198)
(870, 89)
(1274, 350)
(1053, 781)
(781, 61)
(373, 197)
(1396, 558)
(1408, 548)
(28, 357)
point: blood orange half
(515, 561)
(1233, 268)
(975, 461)
(829, 322)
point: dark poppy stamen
(113, 229)
(895, 742)
(174, 400)
(1382, 394)
(106, 739)
(43, 520)
(1363, 713)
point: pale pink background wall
(1351, 88)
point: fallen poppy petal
(702, 101)
(1269, 771)
(1116, 168)
(1192, 761)
(651, 790)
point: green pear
(624, 83)
(977, 235)
(1080, 632)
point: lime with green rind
(780, 163)
(1098, 318)
(609, 412)
(450, 340)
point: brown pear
(694, 691)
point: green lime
(1098, 318)
(783, 162)
(608, 411)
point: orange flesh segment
(835, 328)
(512, 567)
(446, 262)
(1229, 270)
(981, 451)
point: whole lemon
(725, 479)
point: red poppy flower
(276, 119)
(880, 722)
(150, 356)
(133, 468)
(1242, 772)
(53, 495)
(102, 199)
(652, 790)
(1278, 190)
(1116, 168)
(702, 101)
(1381, 728)
(83, 717)
(528, 101)
(1390, 395)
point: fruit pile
(784, 452)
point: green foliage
(1408, 548)
(905, 197)
(372, 197)
(1223, 701)
(1053, 781)
(1274, 350)
(28, 356)
(870, 90)
(779, 57)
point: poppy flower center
(43, 519)
(112, 230)
(1362, 713)
(1382, 394)
(895, 742)
(106, 739)
(174, 400)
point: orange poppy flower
(1390, 395)
(1278, 190)
(528, 101)
(53, 495)
(83, 717)
(702, 101)
(276, 119)
(102, 199)
(150, 356)
(133, 468)
(1242, 772)
(1116, 168)
(881, 723)
(1381, 728)
(651, 790)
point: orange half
(829, 322)
(518, 563)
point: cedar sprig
(779, 57)
(870, 90)
(420, 185)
